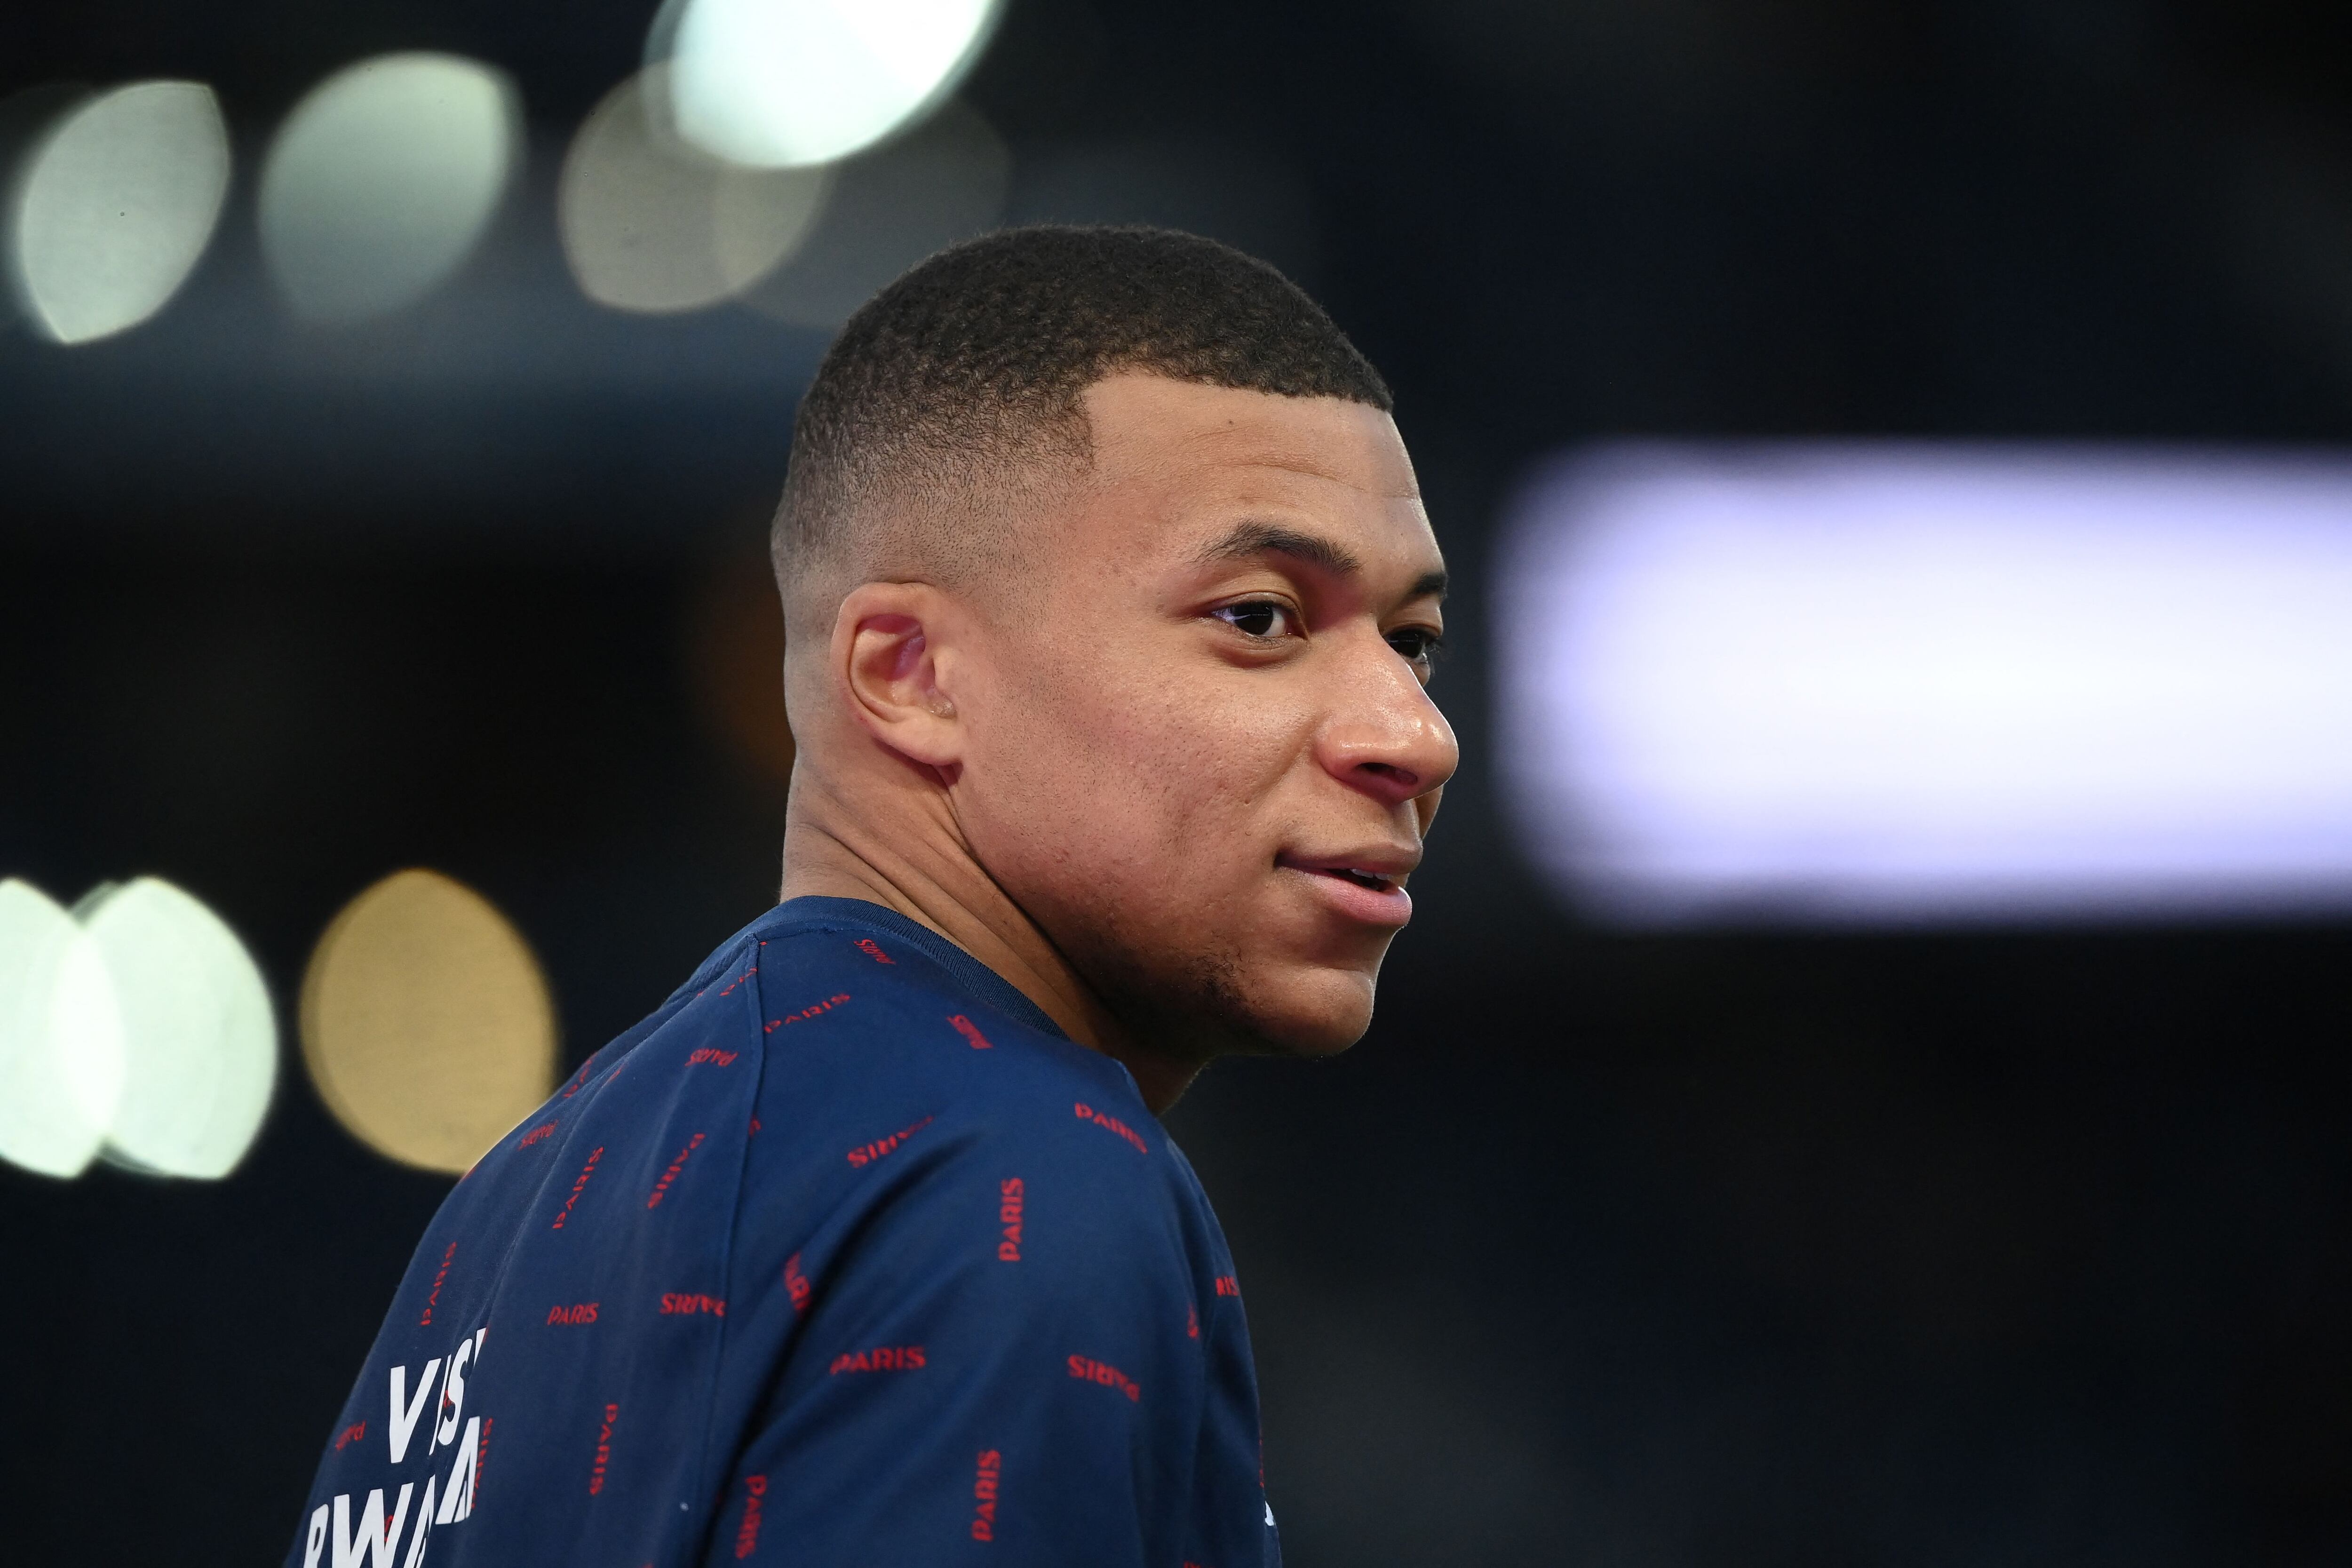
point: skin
(1126, 770)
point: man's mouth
(1379, 869)
(1366, 885)
(1378, 866)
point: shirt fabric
(846, 1256)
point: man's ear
(897, 664)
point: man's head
(1104, 573)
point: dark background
(1738, 1248)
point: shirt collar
(983, 983)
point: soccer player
(1109, 604)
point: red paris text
(883, 1358)
(1008, 1215)
(579, 1186)
(983, 1494)
(1100, 1119)
(604, 1449)
(434, 1299)
(1102, 1371)
(662, 1186)
(747, 1534)
(813, 1010)
(872, 1152)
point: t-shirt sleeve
(995, 1358)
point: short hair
(975, 360)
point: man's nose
(1386, 737)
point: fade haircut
(969, 369)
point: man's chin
(1306, 1013)
(1227, 1005)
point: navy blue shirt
(846, 1256)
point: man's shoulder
(878, 1066)
(820, 983)
(898, 1034)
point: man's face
(1201, 755)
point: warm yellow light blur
(425, 1022)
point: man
(1109, 607)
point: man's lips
(1367, 885)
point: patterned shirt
(846, 1256)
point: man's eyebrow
(1270, 538)
(1273, 539)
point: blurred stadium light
(113, 206)
(383, 179)
(651, 223)
(889, 208)
(199, 1042)
(425, 1022)
(788, 83)
(1859, 684)
(60, 1042)
(136, 1026)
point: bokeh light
(653, 224)
(384, 179)
(199, 1040)
(135, 1027)
(60, 1041)
(114, 206)
(1857, 683)
(890, 208)
(425, 1022)
(786, 83)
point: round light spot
(427, 1024)
(651, 223)
(115, 205)
(61, 1040)
(890, 210)
(382, 179)
(783, 83)
(199, 1040)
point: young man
(1109, 602)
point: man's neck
(827, 855)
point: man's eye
(1417, 644)
(1257, 618)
